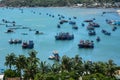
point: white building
(1, 76)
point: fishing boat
(15, 41)
(55, 56)
(64, 36)
(28, 45)
(86, 44)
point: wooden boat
(98, 39)
(28, 45)
(55, 56)
(105, 32)
(16, 41)
(75, 27)
(86, 44)
(90, 27)
(64, 36)
(93, 24)
(114, 28)
(58, 26)
(63, 21)
(72, 22)
(92, 33)
(24, 45)
(83, 24)
(37, 32)
(9, 31)
(89, 20)
(116, 23)
(51, 57)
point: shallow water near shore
(36, 19)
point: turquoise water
(107, 48)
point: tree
(32, 65)
(67, 69)
(43, 67)
(96, 76)
(10, 60)
(55, 68)
(100, 67)
(20, 63)
(77, 65)
(66, 64)
(111, 67)
(11, 73)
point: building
(1, 76)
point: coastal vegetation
(30, 67)
(49, 3)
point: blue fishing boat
(28, 45)
(116, 23)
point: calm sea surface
(37, 19)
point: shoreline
(62, 7)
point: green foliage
(67, 69)
(97, 76)
(31, 68)
(10, 60)
(48, 76)
(39, 76)
(11, 73)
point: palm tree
(30, 71)
(21, 63)
(55, 68)
(88, 67)
(32, 65)
(66, 63)
(32, 53)
(100, 67)
(32, 59)
(10, 60)
(111, 67)
(77, 65)
(43, 67)
(78, 59)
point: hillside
(54, 3)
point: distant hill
(59, 3)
